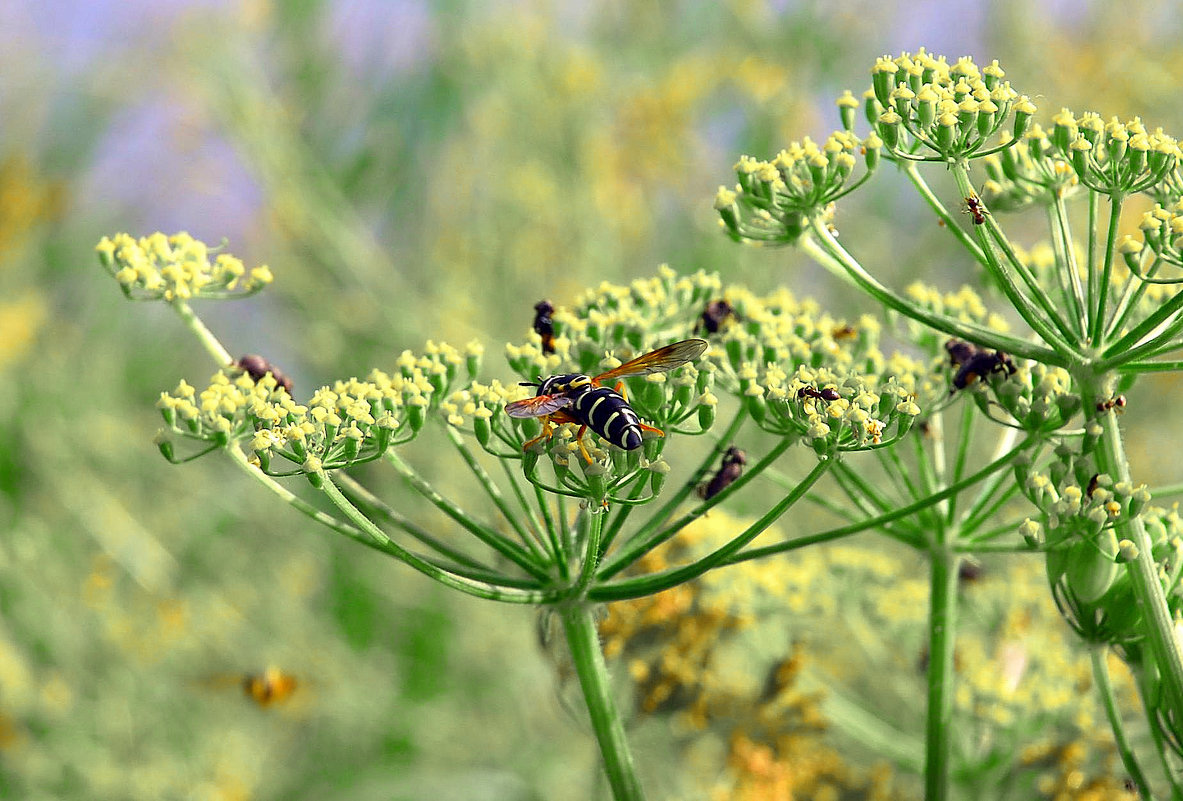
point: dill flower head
(1114, 157)
(922, 106)
(773, 199)
(177, 267)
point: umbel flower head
(176, 267)
(345, 423)
(773, 199)
(925, 109)
(1114, 158)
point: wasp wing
(661, 360)
(537, 406)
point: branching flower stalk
(801, 376)
(1096, 319)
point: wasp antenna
(529, 384)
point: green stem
(384, 510)
(1143, 570)
(645, 540)
(912, 171)
(203, 334)
(480, 589)
(826, 250)
(528, 538)
(493, 539)
(582, 638)
(656, 582)
(876, 522)
(1038, 309)
(1066, 264)
(663, 513)
(942, 628)
(1098, 655)
(1115, 203)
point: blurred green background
(410, 170)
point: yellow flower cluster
(176, 267)
(1114, 156)
(950, 109)
(772, 198)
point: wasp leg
(651, 429)
(548, 430)
(620, 389)
(579, 441)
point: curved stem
(493, 539)
(480, 589)
(656, 582)
(834, 257)
(1098, 655)
(912, 172)
(588, 658)
(645, 540)
(203, 334)
(876, 522)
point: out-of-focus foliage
(414, 170)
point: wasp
(581, 399)
(974, 208)
(257, 367)
(827, 394)
(544, 326)
(269, 687)
(716, 315)
(1116, 403)
(973, 362)
(730, 469)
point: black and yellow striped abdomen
(606, 412)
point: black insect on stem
(974, 207)
(257, 367)
(730, 469)
(974, 362)
(1116, 404)
(544, 326)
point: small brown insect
(257, 367)
(730, 469)
(1092, 487)
(974, 362)
(269, 687)
(715, 316)
(1116, 403)
(544, 326)
(974, 207)
(827, 394)
(844, 332)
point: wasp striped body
(582, 400)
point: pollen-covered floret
(177, 267)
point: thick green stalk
(584, 641)
(942, 629)
(1098, 654)
(1143, 571)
